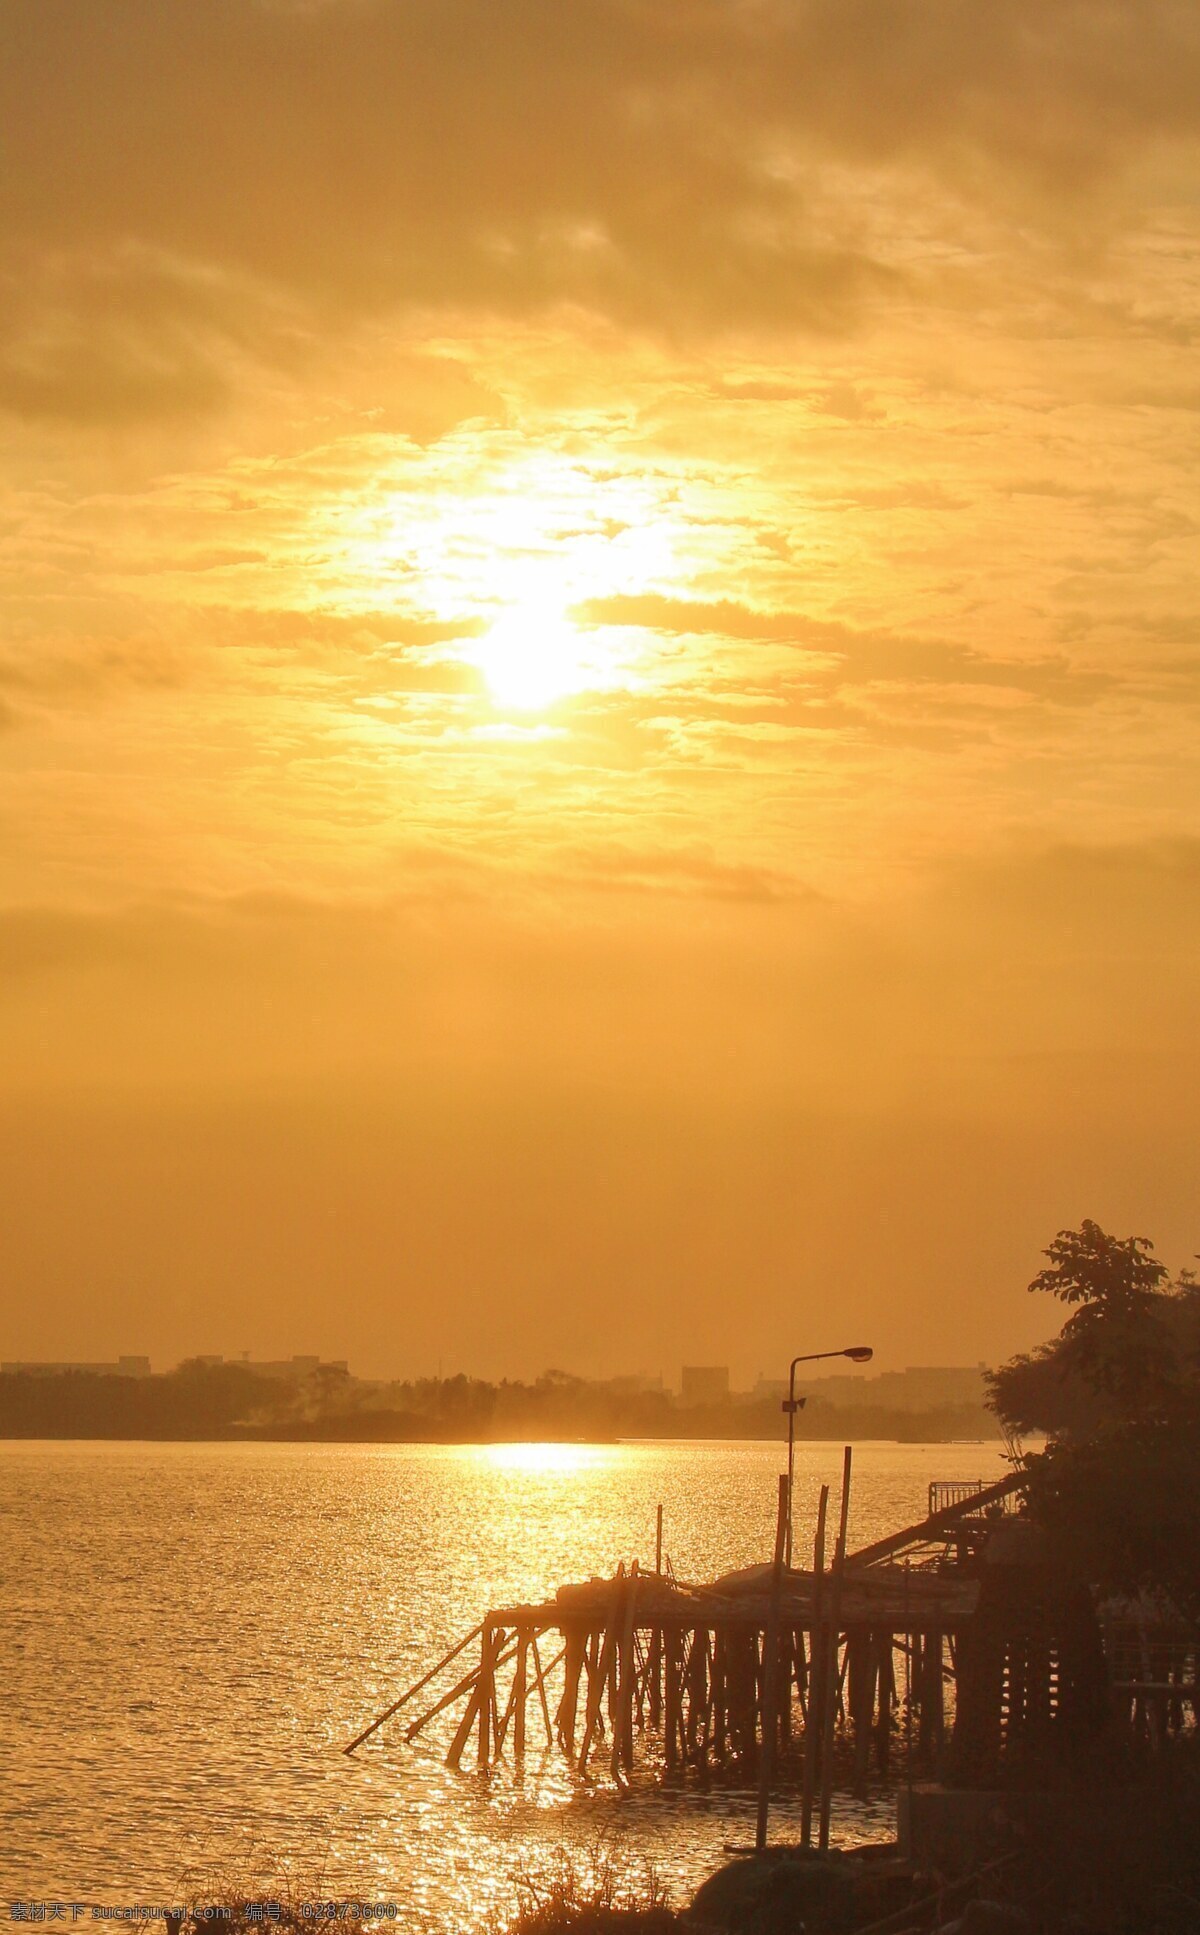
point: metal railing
(944, 1492)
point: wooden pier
(772, 1663)
(640, 1653)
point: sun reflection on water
(292, 1593)
(553, 1459)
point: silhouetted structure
(1032, 1679)
(120, 1367)
(704, 1384)
(645, 1653)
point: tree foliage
(1129, 1349)
(1118, 1394)
(1104, 1273)
(1120, 1506)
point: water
(192, 1632)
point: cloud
(724, 617)
(188, 185)
(71, 670)
(846, 656)
(105, 338)
(684, 962)
(678, 873)
(1126, 901)
(847, 401)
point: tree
(1120, 1506)
(1101, 1272)
(1118, 1393)
(1119, 1353)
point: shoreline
(323, 1436)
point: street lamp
(858, 1354)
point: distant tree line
(223, 1401)
(194, 1401)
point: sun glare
(541, 1459)
(531, 656)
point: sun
(532, 656)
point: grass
(583, 1894)
(591, 1899)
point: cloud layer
(189, 185)
(814, 382)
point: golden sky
(599, 671)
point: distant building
(123, 1367)
(295, 1369)
(922, 1387)
(704, 1383)
(632, 1384)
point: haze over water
(209, 1624)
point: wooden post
(813, 1722)
(916, 1652)
(502, 1720)
(519, 1690)
(861, 1694)
(720, 1683)
(477, 1704)
(800, 1659)
(493, 1638)
(786, 1644)
(591, 1666)
(458, 1744)
(465, 1685)
(540, 1682)
(603, 1667)
(622, 1746)
(742, 1677)
(568, 1705)
(706, 1684)
(672, 1646)
(658, 1543)
(690, 1700)
(592, 1720)
(835, 1615)
(887, 1693)
(934, 1693)
(654, 1675)
(639, 1682)
(417, 1688)
(770, 1703)
(614, 1660)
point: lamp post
(858, 1354)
